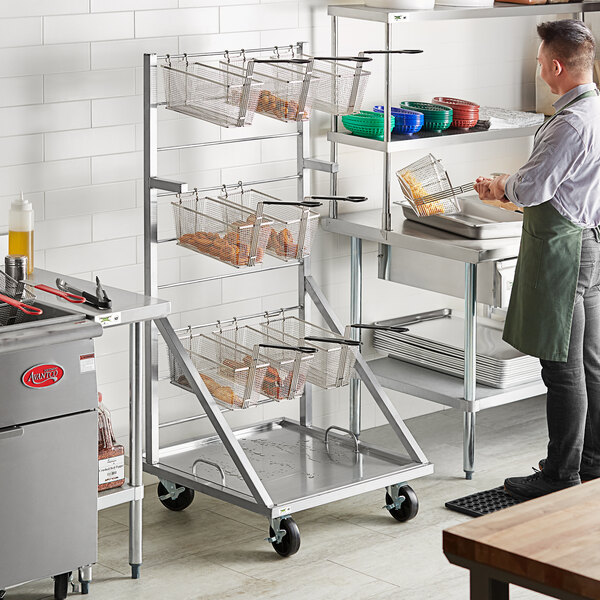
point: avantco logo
(42, 376)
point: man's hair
(570, 42)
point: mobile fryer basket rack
(280, 465)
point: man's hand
(491, 189)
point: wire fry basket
(210, 93)
(230, 233)
(288, 366)
(233, 378)
(339, 84)
(293, 223)
(9, 315)
(285, 84)
(334, 360)
(426, 186)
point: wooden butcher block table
(550, 545)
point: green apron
(540, 311)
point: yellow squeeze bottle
(20, 230)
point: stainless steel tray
(475, 220)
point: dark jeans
(573, 400)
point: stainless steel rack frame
(377, 225)
(281, 466)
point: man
(554, 310)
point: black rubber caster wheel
(2, 594)
(61, 586)
(180, 503)
(290, 543)
(85, 587)
(408, 509)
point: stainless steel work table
(418, 381)
(131, 309)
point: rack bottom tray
(293, 462)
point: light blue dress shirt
(564, 166)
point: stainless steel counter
(421, 238)
(127, 307)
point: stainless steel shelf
(298, 468)
(445, 389)
(429, 139)
(415, 236)
(500, 9)
(127, 307)
(116, 496)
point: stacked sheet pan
(438, 343)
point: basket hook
(224, 189)
(226, 54)
(219, 326)
(243, 52)
(282, 310)
(185, 56)
(267, 317)
(235, 323)
(292, 50)
(190, 334)
(169, 60)
(276, 50)
(241, 186)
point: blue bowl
(407, 121)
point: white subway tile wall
(71, 138)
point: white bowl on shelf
(402, 4)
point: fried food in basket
(282, 243)
(281, 109)
(229, 248)
(424, 209)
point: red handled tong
(26, 308)
(68, 296)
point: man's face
(547, 68)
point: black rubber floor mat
(482, 503)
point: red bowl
(464, 123)
(456, 103)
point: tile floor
(350, 550)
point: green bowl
(367, 124)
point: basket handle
(301, 349)
(362, 59)
(393, 328)
(407, 51)
(298, 61)
(341, 198)
(285, 203)
(340, 341)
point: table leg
(483, 587)
(135, 446)
(470, 374)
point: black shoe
(584, 476)
(534, 486)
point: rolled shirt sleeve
(556, 154)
